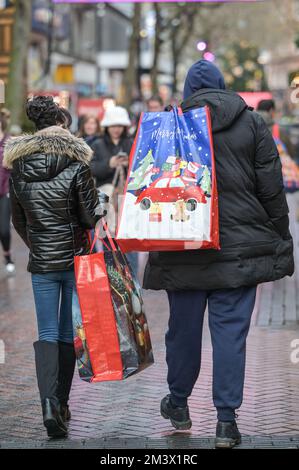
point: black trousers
(5, 214)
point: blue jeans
(132, 257)
(53, 302)
(230, 313)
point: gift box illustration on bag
(171, 192)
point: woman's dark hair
(155, 98)
(44, 112)
(123, 135)
(266, 105)
(68, 120)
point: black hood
(225, 106)
(203, 74)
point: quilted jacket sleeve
(87, 198)
(18, 215)
(269, 182)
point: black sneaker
(179, 416)
(227, 435)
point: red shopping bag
(290, 169)
(171, 200)
(111, 334)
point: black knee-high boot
(67, 362)
(46, 360)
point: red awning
(254, 97)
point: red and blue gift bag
(170, 200)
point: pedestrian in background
(89, 129)
(5, 209)
(110, 163)
(290, 168)
(267, 109)
(155, 104)
(255, 247)
(112, 150)
(54, 202)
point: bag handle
(177, 110)
(178, 113)
(116, 176)
(119, 176)
(90, 241)
(112, 246)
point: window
(163, 183)
(176, 183)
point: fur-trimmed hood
(53, 140)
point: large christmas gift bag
(111, 333)
(170, 200)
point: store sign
(94, 107)
(64, 74)
(252, 98)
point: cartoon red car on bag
(166, 189)
(178, 182)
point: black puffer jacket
(256, 245)
(53, 196)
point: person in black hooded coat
(255, 247)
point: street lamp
(201, 46)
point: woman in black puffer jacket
(54, 203)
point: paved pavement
(126, 414)
(181, 441)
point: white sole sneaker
(10, 268)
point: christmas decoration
(205, 181)
(241, 68)
(155, 214)
(180, 214)
(191, 170)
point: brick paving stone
(126, 413)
